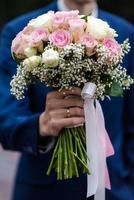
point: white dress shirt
(63, 7)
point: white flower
(99, 29)
(44, 20)
(50, 58)
(32, 62)
(30, 51)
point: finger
(64, 103)
(73, 91)
(67, 113)
(70, 122)
(63, 93)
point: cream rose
(32, 62)
(99, 29)
(44, 20)
(30, 51)
(50, 58)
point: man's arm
(18, 126)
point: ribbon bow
(99, 146)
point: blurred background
(9, 9)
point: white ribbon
(98, 144)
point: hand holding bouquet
(64, 50)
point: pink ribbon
(99, 146)
(109, 150)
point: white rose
(50, 58)
(44, 20)
(99, 29)
(30, 51)
(32, 62)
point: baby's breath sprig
(20, 82)
(75, 69)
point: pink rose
(113, 46)
(60, 38)
(89, 42)
(36, 37)
(77, 27)
(29, 38)
(59, 21)
(27, 30)
(77, 24)
(19, 44)
(16, 44)
(67, 15)
(74, 14)
(59, 18)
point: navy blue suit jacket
(19, 124)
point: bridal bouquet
(62, 50)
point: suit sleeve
(129, 115)
(18, 125)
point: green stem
(53, 158)
(78, 139)
(59, 163)
(81, 162)
(73, 158)
(82, 134)
(66, 153)
(74, 131)
(65, 156)
(83, 148)
(70, 166)
(82, 151)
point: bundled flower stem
(70, 154)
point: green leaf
(115, 90)
(85, 17)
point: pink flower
(77, 24)
(37, 36)
(89, 42)
(59, 18)
(27, 30)
(60, 38)
(113, 46)
(77, 27)
(18, 45)
(67, 15)
(29, 38)
(71, 14)
(59, 21)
